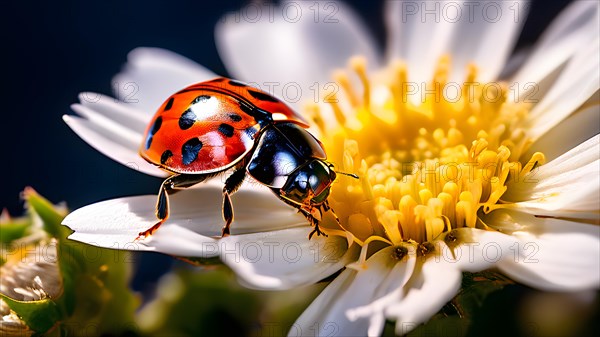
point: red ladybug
(211, 127)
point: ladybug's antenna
(343, 173)
(348, 174)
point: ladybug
(220, 125)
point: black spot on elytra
(165, 156)
(201, 99)
(246, 108)
(155, 127)
(262, 96)
(169, 104)
(189, 150)
(236, 83)
(234, 117)
(226, 130)
(187, 119)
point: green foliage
(13, 229)
(95, 298)
(212, 303)
(39, 315)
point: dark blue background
(51, 51)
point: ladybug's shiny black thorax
(291, 161)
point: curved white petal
(93, 105)
(438, 282)
(151, 75)
(419, 42)
(195, 221)
(484, 35)
(112, 128)
(572, 194)
(571, 30)
(579, 156)
(569, 133)
(568, 186)
(389, 291)
(564, 257)
(284, 259)
(546, 253)
(476, 250)
(285, 50)
(576, 83)
(349, 305)
(322, 316)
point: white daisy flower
(462, 168)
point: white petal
(572, 194)
(565, 256)
(547, 253)
(294, 47)
(572, 30)
(484, 35)
(418, 42)
(481, 33)
(579, 156)
(576, 83)
(151, 75)
(113, 129)
(284, 259)
(478, 249)
(389, 291)
(439, 281)
(195, 220)
(321, 316)
(568, 186)
(569, 133)
(92, 105)
(352, 289)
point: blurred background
(52, 51)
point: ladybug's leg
(169, 186)
(322, 209)
(317, 230)
(232, 183)
(307, 214)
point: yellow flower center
(425, 168)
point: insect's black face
(309, 184)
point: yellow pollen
(425, 168)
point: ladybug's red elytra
(211, 127)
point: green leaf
(14, 229)
(50, 215)
(95, 280)
(40, 315)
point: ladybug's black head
(309, 184)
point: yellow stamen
(432, 167)
(359, 65)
